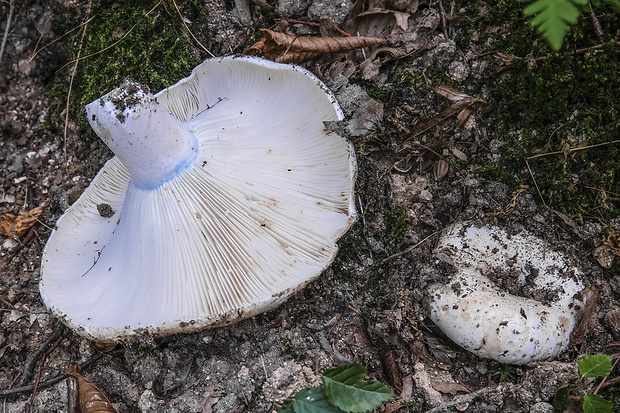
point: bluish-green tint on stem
(152, 144)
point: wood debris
(286, 48)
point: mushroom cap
(478, 316)
(246, 211)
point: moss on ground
(144, 40)
(564, 102)
(398, 223)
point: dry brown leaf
(588, 320)
(405, 164)
(463, 116)
(90, 398)
(391, 369)
(440, 169)
(401, 19)
(450, 93)
(286, 48)
(16, 226)
(450, 388)
(459, 154)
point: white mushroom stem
(152, 144)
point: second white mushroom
(478, 316)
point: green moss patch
(144, 40)
(565, 109)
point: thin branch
(542, 58)
(468, 398)
(602, 190)
(37, 379)
(535, 184)
(598, 30)
(32, 359)
(409, 249)
(606, 377)
(49, 382)
(556, 153)
(7, 28)
(574, 149)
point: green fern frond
(554, 17)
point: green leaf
(310, 400)
(346, 389)
(554, 17)
(593, 403)
(594, 366)
(615, 4)
(560, 400)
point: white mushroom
(226, 196)
(491, 323)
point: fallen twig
(7, 28)
(508, 65)
(45, 28)
(36, 52)
(32, 359)
(49, 382)
(598, 30)
(13, 252)
(37, 379)
(409, 249)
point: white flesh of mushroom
(228, 196)
(481, 318)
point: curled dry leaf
(404, 164)
(16, 226)
(90, 398)
(440, 169)
(379, 22)
(588, 320)
(391, 369)
(286, 48)
(450, 388)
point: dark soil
(368, 307)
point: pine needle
(189, 31)
(110, 46)
(36, 52)
(71, 83)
